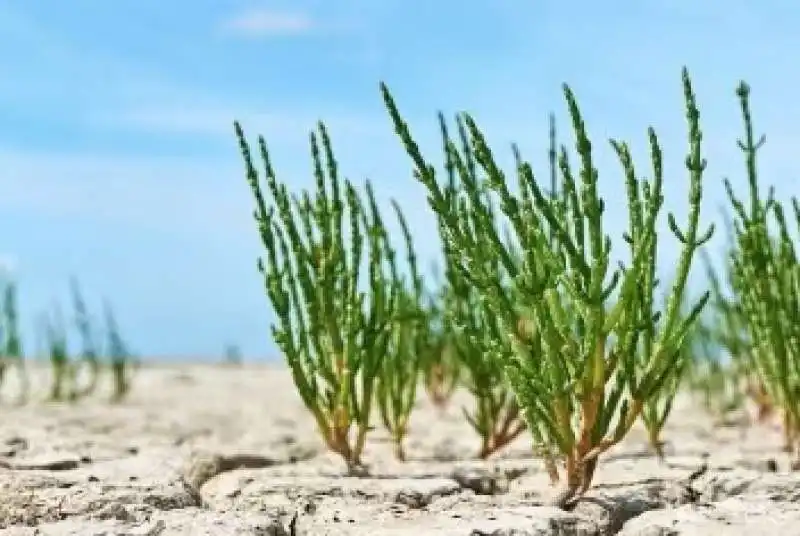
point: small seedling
(89, 355)
(122, 362)
(63, 373)
(440, 369)
(12, 342)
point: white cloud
(265, 22)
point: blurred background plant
(122, 360)
(11, 345)
(88, 358)
(720, 370)
(71, 378)
(412, 338)
(765, 279)
(232, 355)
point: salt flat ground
(214, 450)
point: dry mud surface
(209, 450)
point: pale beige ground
(165, 462)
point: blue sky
(118, 163)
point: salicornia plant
(89, 354)
(12, 342)
(730, 332)
(495, 416)
(723, 370)
(657, 408)
(333, 330)
(122, 361)
(766, 283)
(232, 354)
(410, 338)
(440, 369)
(596, 352)
(62, 385)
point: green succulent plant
(333, 327)
(597, 351)
(766, 283)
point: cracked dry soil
(209, 450)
